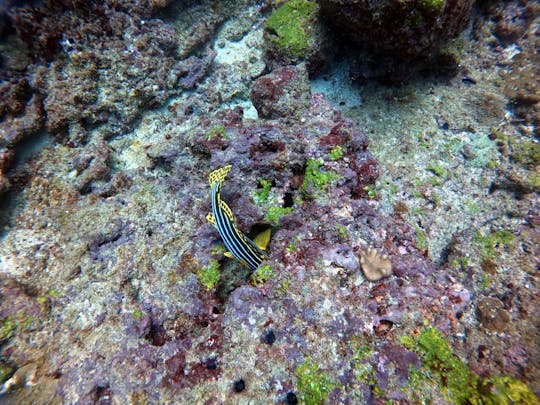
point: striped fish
(239, 246)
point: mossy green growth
(261, 195)
(364, 370)
(47, 296)
(526, 153)
(316, 178)
(217, 132)
(460, 385)
(262, 275)
(433, 6)
(11, 326)
(421, 238)
(336, 153)
(312, 383)
(342, 231)
(436, 169)
(285, 285)
(371, 191)
(5, 372)
(489, 242)
(498, 135)
(209, 275)
(218, 249)
(504, 390)
(288, 27)
(7, 328)
(274, 214)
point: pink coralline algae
(282, 92)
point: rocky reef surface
(403, 262)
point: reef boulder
(396, 31)
(282, 93)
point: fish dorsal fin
(227, 210)
(263, 239)
(210, 218)
(219, 175)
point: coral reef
(85, 73)
(114, 288)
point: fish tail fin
(263, 239)
(219, 175)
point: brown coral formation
(492, 315)
(375, 265)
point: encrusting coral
(375, 265)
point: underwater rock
(405, 36)
(293, 34)
(522, 86)
(514, 19)
(112, 234)
(14, 129)
(21, 117)
(26, 375)
(282, 93)
(90, 64)
(492, 315)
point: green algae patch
(432, 6)
(316, 178)
(488, 243)
(8, 328)
(458, 383)
(209, 275)
(216, 132)
(263, 274)
(274, 214)
(263, 192)
(506, 391)
(288, 27)
(313, 384)
(336, 153)
(527, 153)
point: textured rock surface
(104, 236)
(294, 34)
(406, 35)
(85, 73)
(282, 93)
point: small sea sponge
(375, 265)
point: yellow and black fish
(251, 253)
